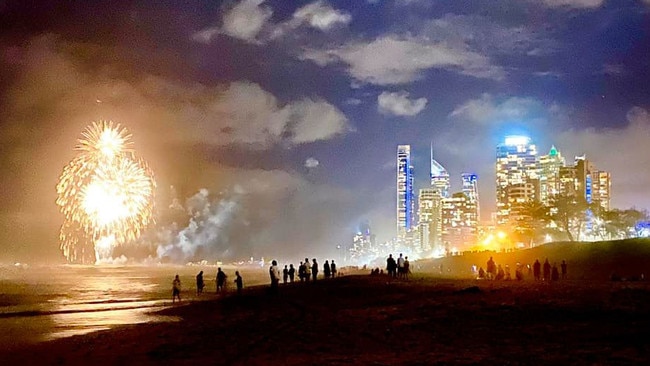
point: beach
(363, 319)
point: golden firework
(105, 194)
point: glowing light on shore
(105, 194)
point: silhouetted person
(481, 273)
(307, 270)
(199, 283)
(507, 276)
(333, 268)
(537, 269)
(555, 274)
(301, 272)
(327, 271)
(391, 266)
(563, 266)
(292, 273)
(176, 289)
(500, 273)
(239, 282)
(274, 274)
(491, 269)
(285, 274)
(221, 279)
(314, 269)
(400, 266)
(519, 274)
(546, 270)
(407, 267)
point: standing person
(326, 269)
(221, 280)
(546, 270)
(301, 272)
(391, 265)
(333, 268)
(307, 270)
(400, 266)
(563, 266)
(239, 282)
(407, 267)
(314, 269)
(555, 274)
(176, 289)
(274, 273)
(537, 269)
(491, 269)
(199, 283)
(285, 274)
(292, 272)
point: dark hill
(624, 259)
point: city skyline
(278, 120)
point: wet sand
(374, 320)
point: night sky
(282, 118)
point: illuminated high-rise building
(549, 175)
(470, 188)
(601, 182)
(439, 177)
(430, 219)
(405, 199)
(516, 164)
(459, 223)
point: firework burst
(105, 194)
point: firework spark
(105, 194)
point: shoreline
(361, 319)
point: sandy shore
(375, 320)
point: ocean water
(43, 303)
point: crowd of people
(538, 271)
(307, 271)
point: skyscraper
(439, 177)
(470, 188)
(549, 176)
(516, 165)
(405, 201)
(429, 218)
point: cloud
(403, 60)
(321, 16)
(587, 4)
(399, 104)
(311, 163)
(243, 21)
(487, 110)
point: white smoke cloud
(399, 104)
(311, 163)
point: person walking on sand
(333, 268)
(239, 282)
(292, 272)
(563, 266)
(221, 280)
(314, 269)
(274, 274)
(285, 274)
(176, 289)
(199, 283)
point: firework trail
(105, 194)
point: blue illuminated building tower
(405, 199)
